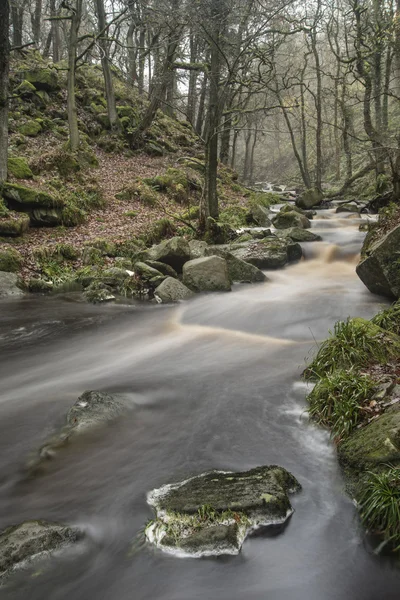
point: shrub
(354, 342)
(389, 319)
(380, 504)
(337, 401)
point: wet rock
(379, 269)
(299, 235)
(172, 290)
(163, 268)
(286, 220)
(212, 513)
(239, 270)
(292, 207)
(349, 207)
(174, 252)
(92, 410)
(309, 199)
(22, 544)
(269, 253)
(10, 285)
(98, 293)
(39, 286)
(207, 274)
(260, 215)
(246, 235)
(376, 443)
(197, 248)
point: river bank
(216, 384)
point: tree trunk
(159, 88)
(105, 63)
(202, 104)
(192, 96)
(76, 16)
(247, 153)
(17, 16)
(253, 147)
(318, 107)
(36, 20)
(210, 208)
(55, 32)
(4, 84)
(234, 146)
(142, 51)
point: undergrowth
(380, 504)
(352, 344)
(389, 319)
(337, 401)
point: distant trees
(308, 93)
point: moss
(10, 260)
(39, 286)
(139, 190)
(4, 211)
(234, 215)
(67, 252)
(13, 223)
(177, 183)
(30, 197)
(131, 214)
(30, 128)
(25, 89)
(42, 79)
(19, 168)
(159, 230)
(265, 199)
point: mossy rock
(28, 198)
(10, 260)
(25, 89)
(30, 128)
(375, 444)
(153, 149)
(43, 79)
(14, 224)
(106, 247)
(19, 168)
(39, 286)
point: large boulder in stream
(239, 270)
(212, 513)
(92, 410)
(269, 253)
(207, 274)
(379, 268)
(260, 216)
(172, 290)
(20, 545)
(285, 220)
(299, 235)
(174, 252)
(10, 285)
(309, 199)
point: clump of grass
(389, 319)
(161, 229)
(353, 343)
(337, 401)
(380, 504)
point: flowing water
(216, 384)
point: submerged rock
(379, 269)
(22, 544)
(207, 274)
(172, 290)
(348, 207)
(92, 410)
(212, 513)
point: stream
(216, 384)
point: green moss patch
(19, 168)
(30, 128)
(10, 260)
